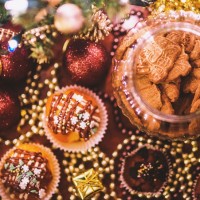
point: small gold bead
(112, 185)
(190, 183)
(149, 141)
(112, 194)
(182, 187)
(72, 197)
(112, 176)
(172, 189)
(67, 171)
(15, 141)
(59, 197)
(184, 195)
(64, 162)
(140, 144)
(7, 142)
(70, 189)
(115, 154)
(119, 147)
(133, 137)
(101, 176)
(194, 149)
(107, 170)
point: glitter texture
(86, 61)
(167, 5)
(9, 109)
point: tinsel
(167, 5)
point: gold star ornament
(87, 184)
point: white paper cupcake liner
(145, 194)
(94, 139)
(55, 170)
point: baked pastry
(156, 76)
(28, 172)
(75, 118)
(145, 171)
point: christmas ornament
(86, 62)
(68, 18)
(87, 184)
(9, 109)
(13, 59)
(101, 26)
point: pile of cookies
(168, 73)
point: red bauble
(86, 62)
(9, 109)
(14, 66)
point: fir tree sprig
(40, 41)
(4, 15)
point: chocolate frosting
(73, 113)
(26, 175)
(146, 170)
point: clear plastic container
(150, 57)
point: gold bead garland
(32, 105)
(30, 36)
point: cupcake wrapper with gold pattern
(194, 187)
(51, 158)
(94, 139)
(125, 185)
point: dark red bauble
(86, 62)
(14, 66)
(9, 109)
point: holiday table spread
(62, 134)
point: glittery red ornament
(14, 66)
(9, 109)
(86, 62)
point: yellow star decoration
(87, 184)
(165, 5)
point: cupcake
(75, 119)
(28, 172)
(145, 171)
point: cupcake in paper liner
(29, 172)
(145, 171)
(75, 119)
(196, 189)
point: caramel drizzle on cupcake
(72, 112)
(26, 174)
